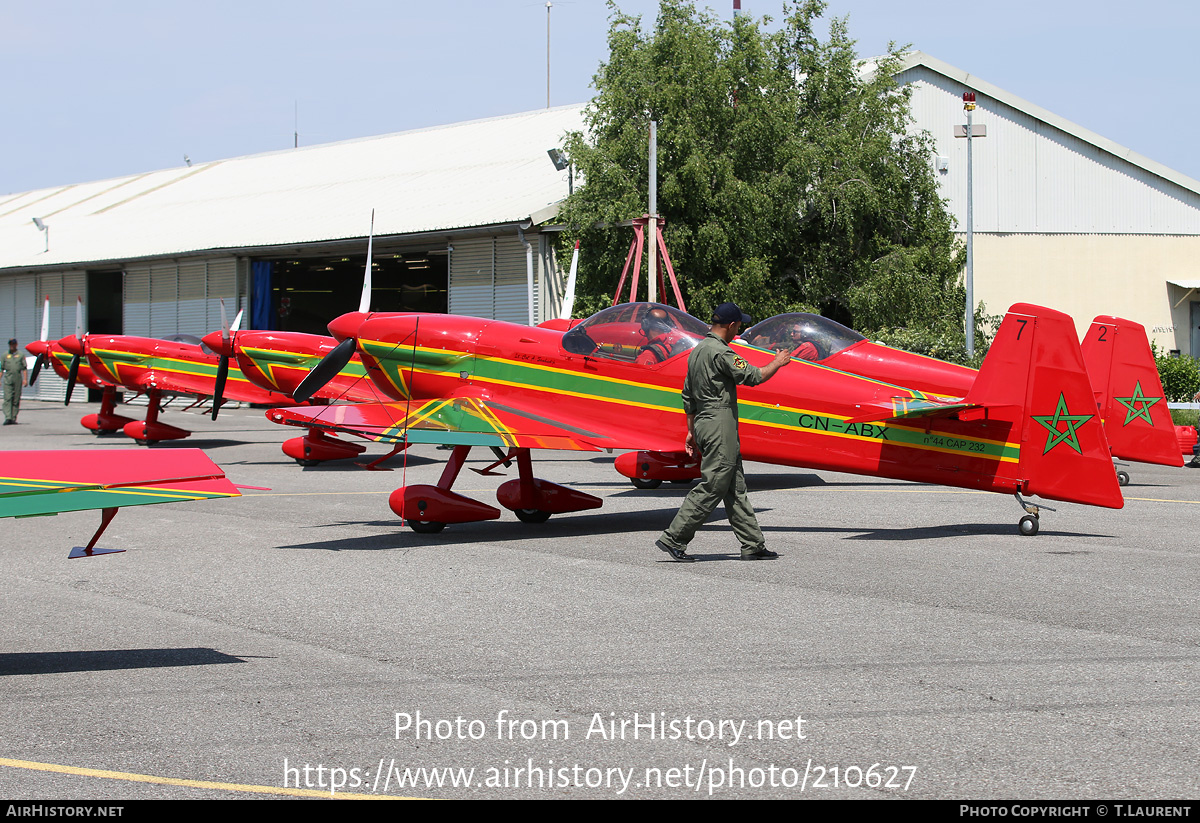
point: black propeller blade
(326, 370)
(37, 367)
(219, 391)
(71, 379)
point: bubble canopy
(643, 333)
(791, 331)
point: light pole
(970, 132)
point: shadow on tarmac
(107, 660)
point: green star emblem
(1051, 424)
(1130, 404)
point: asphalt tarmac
(907, 644)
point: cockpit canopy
(190, 339)
(642, 333)
(810, 336)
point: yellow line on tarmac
(833, 487)
(308, 494)
(1160, 500)
(193, 784)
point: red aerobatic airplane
(34, 483)
(279, 361)
(62, 361)
(1027, 426)
(161, 367)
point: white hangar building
(284, 234)
(1063, 217)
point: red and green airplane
(1027, 426)
(159, 368)
(36, 483)
(63, 362)
(279, 361)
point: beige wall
(1086, 275)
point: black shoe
(9, 422)
(761, 554)
(679, 554)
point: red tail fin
(1036, 367)
(1129, 393)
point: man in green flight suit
(710, 403)
(14, 367)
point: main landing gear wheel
(642, 483)
(426, 526)
(308, 463)
(1122, 478)
(531, 515)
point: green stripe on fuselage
(266, 359)
(639, 394)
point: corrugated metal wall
(21, 301)
(19, 315)
(166, 297)
(1032, 177)
(488, 278)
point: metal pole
(652, 224)
(970, 311)
(548, 4)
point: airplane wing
(34, 483)
(48, 482)
(481, 421)
(908, 408)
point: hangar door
(21, 300)
(488, 279)
(169, 297)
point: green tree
(1180, 375)
(787, 177)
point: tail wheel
(642, 483)
(426, 526)
(1028, 526)
(531, 515)
(1122, 478)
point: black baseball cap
(727, 313)
(12, 342)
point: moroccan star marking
(1051, 424)
(1130, 403)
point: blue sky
(92, 90)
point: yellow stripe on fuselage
(673, 409)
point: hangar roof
(478, 173)
(919, 58)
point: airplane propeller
(40, 360)
(326, 370)
(74, 372)
(227, 333)
(337, 359)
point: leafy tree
(1180, 375)
(787, 178)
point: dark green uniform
(710, 395)
(13, 365)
